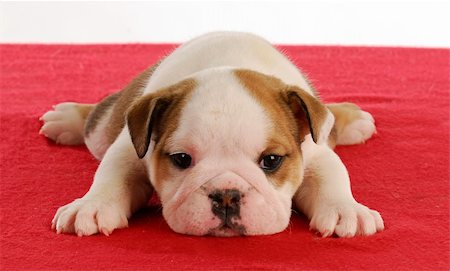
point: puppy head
(223, 150)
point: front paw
(89, 216)
(346, 219)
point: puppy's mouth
(228, 229)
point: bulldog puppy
(229, 134)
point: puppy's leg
(352, 125)
(326, 199)
(120, 187)
(65, 123)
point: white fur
(109, 202)
(211, 130)
(358, 131)
(232, 49)
(225, 130)
(326, 197)
(63, 124)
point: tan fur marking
(307, 107)
(178, 95)
(158, 113)
(98, 113)
(163, 167)
(127, 97)
(84, 110)
(284, 137)
(289, 170)
(344, 114)
(120, 101)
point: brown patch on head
(284, 139)
(170, 122)
(294, 114)
(289, 170)
(156, 115)
(307, 110)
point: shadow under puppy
(229, 133)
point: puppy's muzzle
(226, 205)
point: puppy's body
(228, 132)
(224, 49)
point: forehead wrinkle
(222, 117)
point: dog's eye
(271, 162)
(181, 160)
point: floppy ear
(141, 120)
(310, 112)
(145, 116)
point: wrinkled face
(227, 159)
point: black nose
(226, 203)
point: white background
(381, 23)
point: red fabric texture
(403, 171)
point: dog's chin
(225, 231)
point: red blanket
(403, 171)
